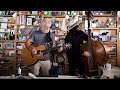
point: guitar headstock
(68, 45)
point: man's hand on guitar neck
(60, 49)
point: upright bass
(98, 54)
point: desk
(27, 77)
(109, 74)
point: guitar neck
(51, 49)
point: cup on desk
(108, 66)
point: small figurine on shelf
(62, 13)
(19, 31)
(52, 13)
(19, 71)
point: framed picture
(9, 45)
(29, 21)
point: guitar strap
(49, 41)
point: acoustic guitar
(30, 59)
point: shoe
(83, 76)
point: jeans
(44, 66)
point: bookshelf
(7, 42)
(118, 38)
(22, 24)
(27, 22)
(105, 30)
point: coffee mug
(108, 66)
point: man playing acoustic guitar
(46, 38)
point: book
(4, 25)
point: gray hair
(45, 21)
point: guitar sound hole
(38, 52)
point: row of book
(28, 30)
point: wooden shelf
(78, 15)
(107, 15)
(7, 48)
(28, 25)
(31, 14)
(19, 49)
(109, 42)
(6, 16)
(28, 14)
(54, 16)
(19, 55)
(8, 56)
(4, 62)
(23, 34)
(21, 41)
(8, 22)
(104, 28)
(3, 41)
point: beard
(44, 30)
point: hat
(73, 22)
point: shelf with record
(105, 30)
